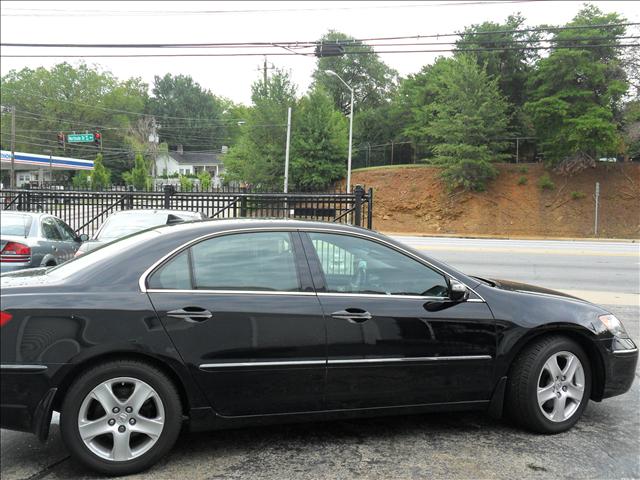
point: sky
(231, 77)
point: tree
(371, 79)
(576, 93)
(465, 117)
(100, 176)
(258, 157)
(138, 176)
(80, 180)
(65, 99)
(319, 144)
(187, 114)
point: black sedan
(220, 324)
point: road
(604, 444)
(601, 272)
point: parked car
(30, 240)
(232, 323)
(126, 222)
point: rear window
(19, 225)
(118, 226)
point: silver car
(29, 240)
(126, 222)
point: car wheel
(121, 417)
(549, 385)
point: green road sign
(80, 137)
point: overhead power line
(353, 52)
(314, 43)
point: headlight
(613, 325)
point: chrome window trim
(26, 368)
(142, 281)
(339, 361)
(228, 292)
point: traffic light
(97, 139)
(61, 139)
(332, 49)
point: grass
(545, 182)
(577, 195)
(522, 180)
(383, 167)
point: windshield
(118, 226)
(15, 225)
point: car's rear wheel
(121, 417)
(549, 385)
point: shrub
(545, 182)
(522, 180)
(523, 169)
(205, 180)
(469, 175)
(577, 195)
(186, 185)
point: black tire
(93, 377)
(522, 387)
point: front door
(242, 312)
(385, 348)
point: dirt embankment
(413, 199)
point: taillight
(4, 318)
(15, 252)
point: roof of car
(155, 211)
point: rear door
(386, 345)
(242, 312)
(53, 243)
(70, 241)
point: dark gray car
(29, 240)
(121, 224)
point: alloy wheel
(561, 385)
(121, 419)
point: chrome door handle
(191, 314)
(353, 315)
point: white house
(185, 163)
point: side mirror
(458, 292)
(83, 237)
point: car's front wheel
(121, 417)
(549, 385)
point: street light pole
(50, 152)
(331, 72)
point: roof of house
(197, 158)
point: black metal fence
(85, 211)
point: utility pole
(12, 180)
(264, 71)
(286, 154)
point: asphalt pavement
(604, 444)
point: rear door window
(50, 230)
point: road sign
(80, 137)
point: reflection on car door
(241, 310)
(384, 347)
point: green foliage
(66, 98)
(100, 176)
(178, 100)
(631, 129)
(81, 180)
(258, 157)
(139, 176)
(545, 182)
(186, 185)
(319, 146)
(205, 180)
(576, 93)
(577, 195)
(464, 117)
(372, 80)
(523, 169)
(522, 180)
